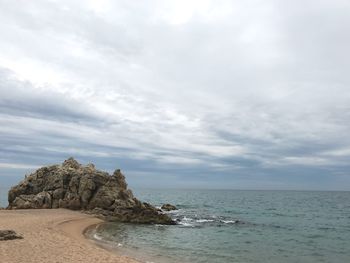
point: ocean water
(3, 196)
(239, 226)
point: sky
(190, 94)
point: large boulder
(77, 187)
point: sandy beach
(52, 235)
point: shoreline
(53, 235)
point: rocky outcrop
(168, 207)
(9, 235)
(77, 187)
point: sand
(52, 235)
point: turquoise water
(240, 226)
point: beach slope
(52, 235)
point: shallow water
(240, 226)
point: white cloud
(18, 166)
(341, 152)
(198, 80)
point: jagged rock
(77, 187)
(168, 207)
(9, 235)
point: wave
(186, 224)
(204, 220)
(97, 237)
(200, 222)
(229, 221)
(175, 212)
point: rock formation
(9, 235)
(77, 187)
(168, 207)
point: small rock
(168, 207)
(9, 235)
(71, 163)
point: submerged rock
(9, 235)
(77, 187)
(168, 207)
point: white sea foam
(97, 237)
(229, 221)
(204, 220)
(186, 222)
(172, 211)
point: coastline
(53, 235)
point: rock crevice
(78, 187)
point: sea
(3, 196)
(227, 226)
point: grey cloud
(20, 98)
(239, 91)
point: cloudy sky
(209, 94)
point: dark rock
(168, 207)
(9, 235)
(77, 187)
